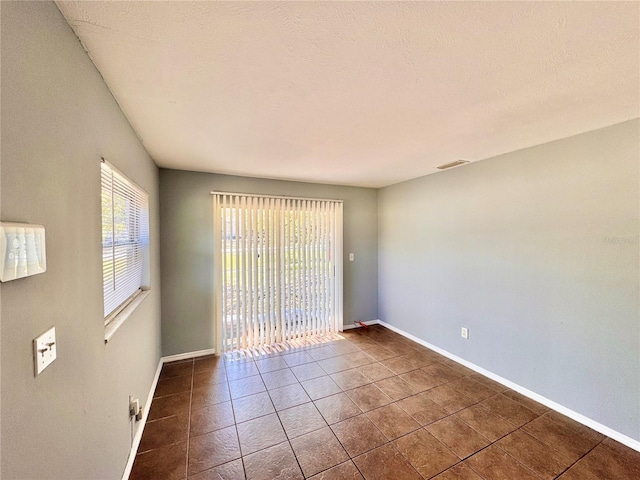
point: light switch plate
(44, 350)
(352, 257)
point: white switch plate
(352, 257)
(464, 332)
(44, 350)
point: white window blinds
(278, 268)
(125, 239)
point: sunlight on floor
(290, 346)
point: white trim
(121, 285)
(578, 417)
(629, 442)
(353, 325)
(219, 246)
(337, 280)
(184, 356)
(138, 435)
(116, 322)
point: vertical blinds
(125, 238)
(278, 268)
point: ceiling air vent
(452, 164)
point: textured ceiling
(363, 93)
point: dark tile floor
(369, 404)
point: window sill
(126, 312)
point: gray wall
(536, 252)
(186, 236)
(58, 118)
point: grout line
(193, 365)
(498, 439)
(280, 420)
(450, 415)
(447, 382)
(233, 410)
(563, 410)
(581, 457)
(521, 427)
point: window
(125, 241)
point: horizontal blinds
(277, 266)
(125, 234)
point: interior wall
(186, 236)
(537, 253)
(58, 118)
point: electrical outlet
(464, 332)
(134, 407)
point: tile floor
(370, 405)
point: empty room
(335, 240)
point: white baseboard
(628, 441)
(353, 325)
(147, 406)
(138, 435)
(184, 356)
(578, 417)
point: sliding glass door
(278, 268)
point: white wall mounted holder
(22, 250)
